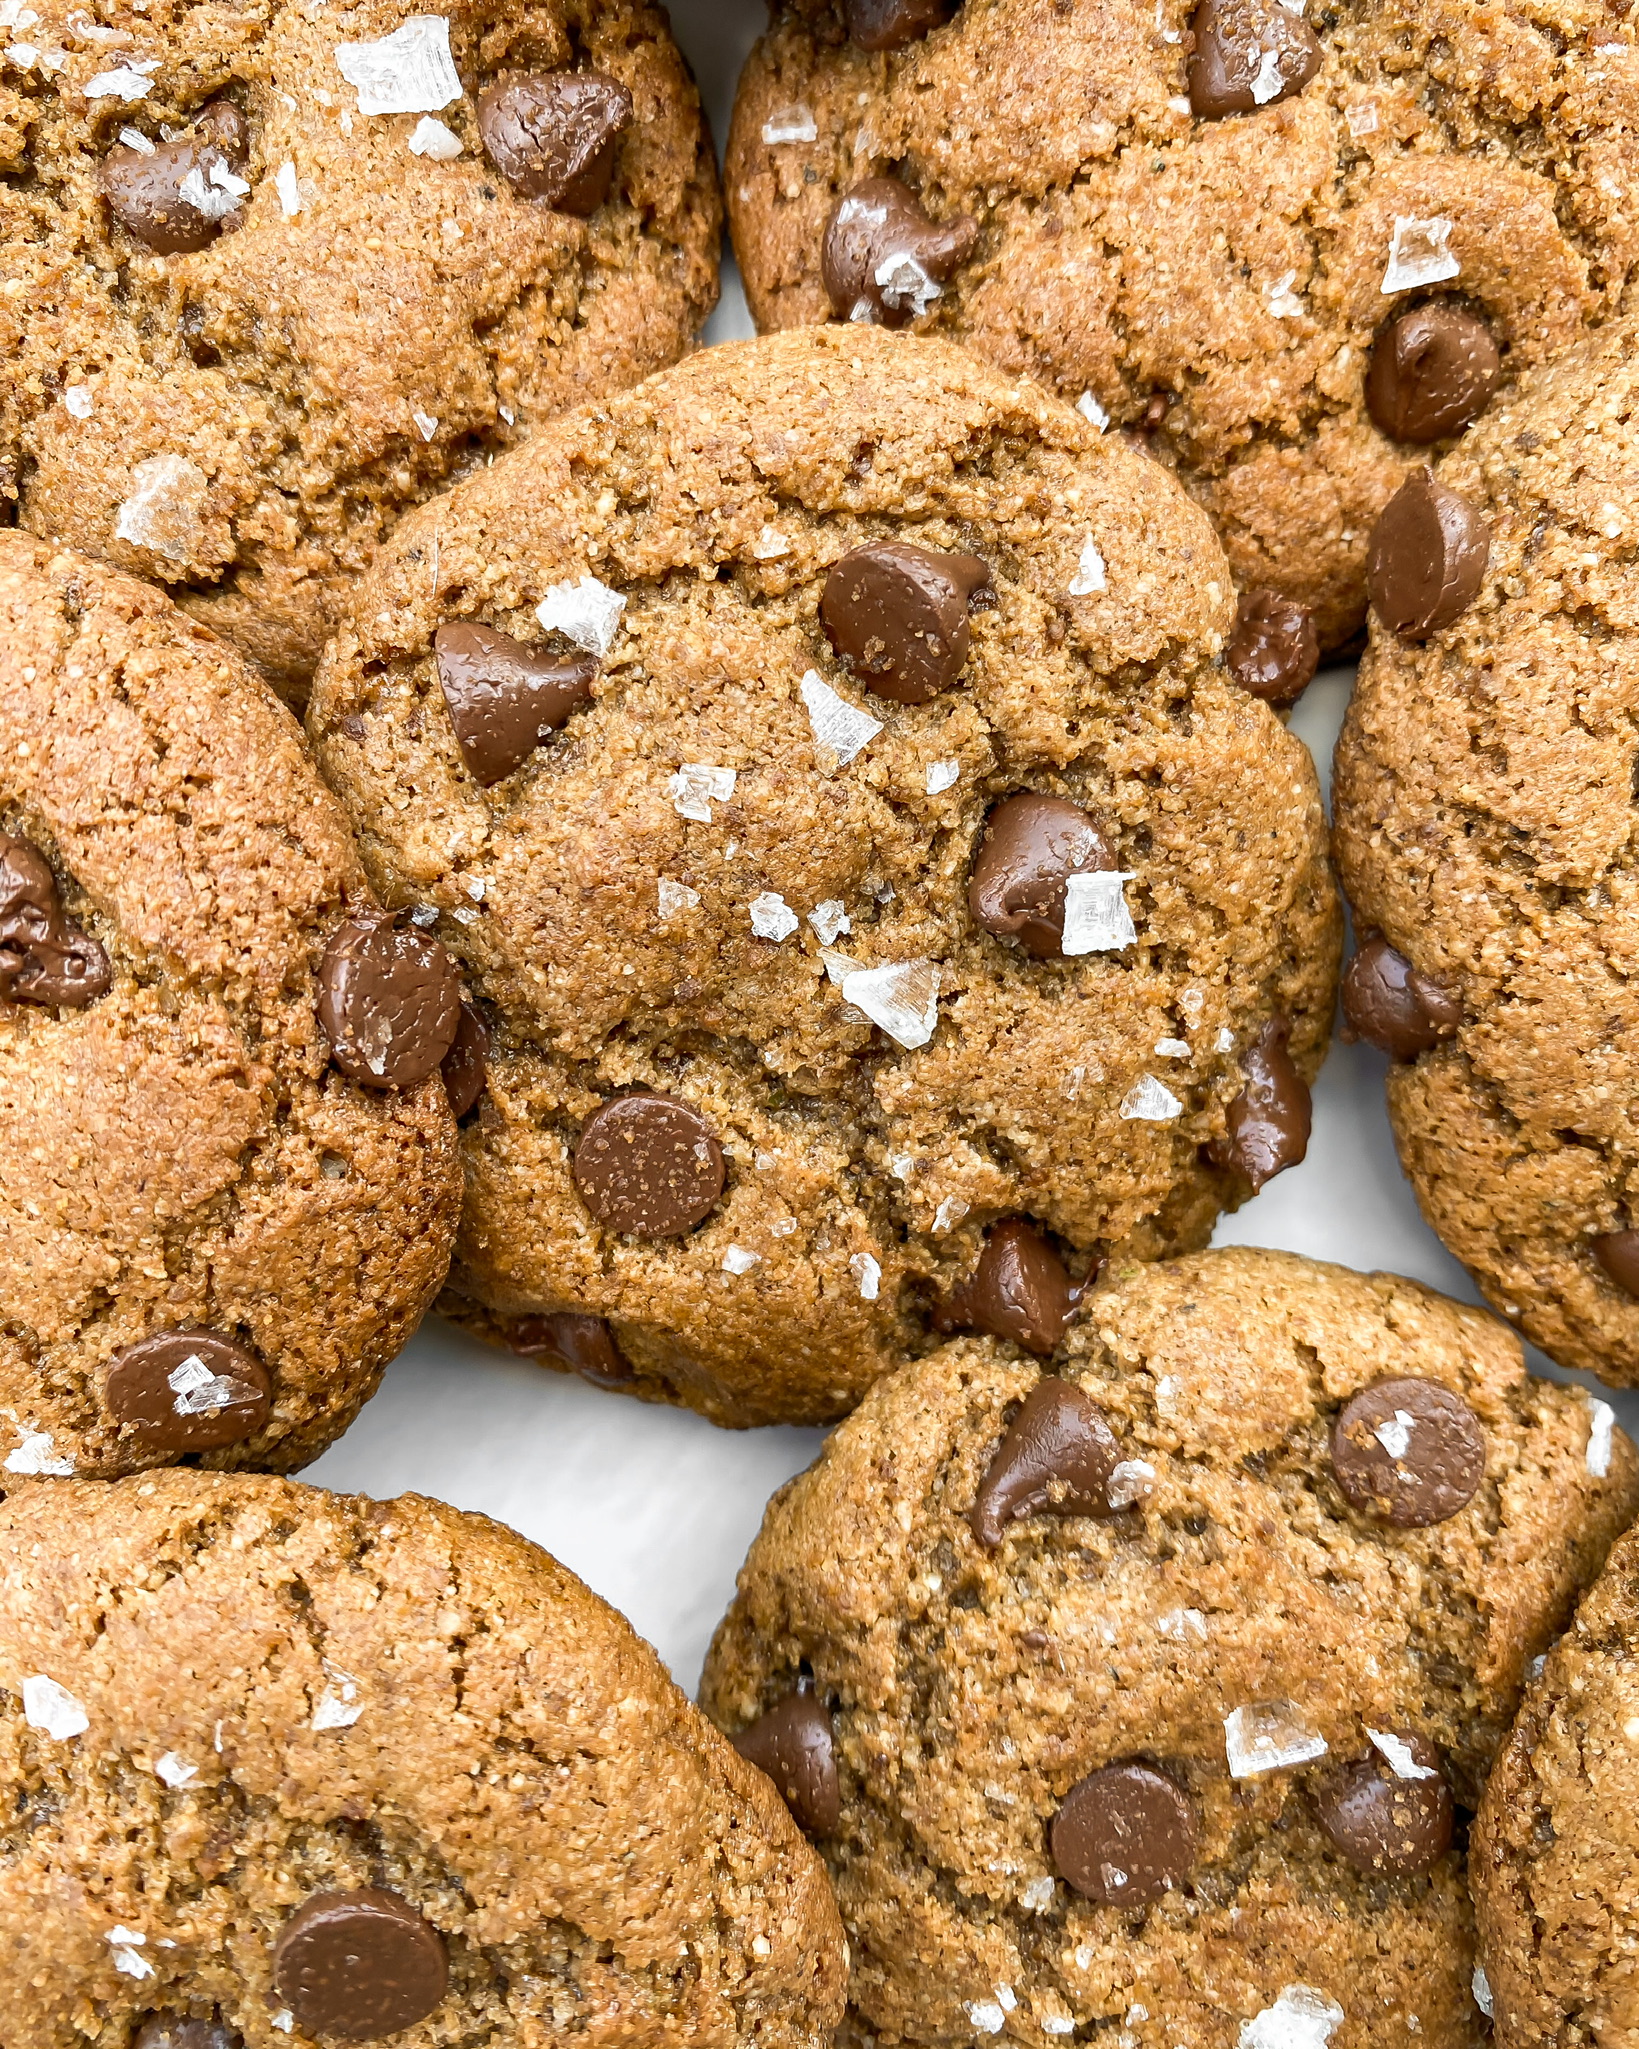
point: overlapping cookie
(881, 900)
(272, 276)
(1290, 248)
(1146, 1696)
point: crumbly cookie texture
(1553, 1845)
(1223, 279)
(1183, 1677)
(211, 1241)
(232, 1707)
(1485, 829)
(737, 876)
(364, 306)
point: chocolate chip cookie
(1143, 1695)
(1289, 249)
(285, 1768)
(267, 278)
(229, 1179)
(1485, 807)
(880, 900)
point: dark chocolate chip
(1020, 1289)
(1432, 370)
(464, 1067)
(1391, 1006)
(188, 1390)
(1248, 54)
(360, 1965)
(1056, 1459)
(172, 2031)
(649, 1165)
(553, 135)
(1409, 1452)
(883, 259)
(898, 616)
(1032, 845)
(44, 957)
(1268, 1123)
(1273, 649)
(579, 1344)
(893, 24)
(1386, 1824)
(1125, 1835)
(389, 1002)
(1618, 1255)
(505, 698)
(1428, 555)
(793, 1743)
(176, 197)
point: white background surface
(655, 1508)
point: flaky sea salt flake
(430, 138)
(163, 512)
(1362, 120)
(840, 729)
(174, 1770)
(290, 195)
(1269, 1736)
(868, 1272)
(950, 1213)
(1172, 1049)
(1395, 1435)
(409, 72)
(941, 776)
(1301, 2018)
(1281, 300)
(986, 2016)
(77, 401)
(904, 285)
(1601, 1436)
(772, 917)
(339, 1706)
(1096, 918)
(1481, 1987)
(1397, 1751)
(38, 1457)
(1090, 576)
(53, 1709)
(129, 81)
(1419, 253)
(675, 897)
(1182, 1625)
(588, 613)
(770, 545)
(1090, 409)
(426, 424)
(790, 124)
(133, 138)
(903, 998)
(1131, 1481)
(1150, 1102)
(698, 785)
(830, 920)
(739, 1260)
(126, 1944)
(197, 1391)
(1267, 83)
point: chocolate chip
(1428, 555)
(359, 1965)
(1618, 1255)
(1020, 1289)
(553, 136)
(898, 616)
(1032, 845)
(1409, 1452)
(173, 2031)
(176, 197)
(464, 1067)
(1273, 649)
(892, 24)
(1268, 1123)
(1248, 54)
(883, 259)
(44, 957)
(794, 1744)
(1432, 370)
(1386, 1824)
(579, 1344)
(188, 1390)
(649, 1165)
(505, 698)
(1391, 1006)
(389, 1002)
(1056, 1459)
(1125, 1836)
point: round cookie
(881, 902)
(270, 277)
(1149, 1690)
(1289, 253)
(212, 1237)
(286, 1768)
(1485, 828)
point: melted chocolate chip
(1409, 1452)
(1248, 54)
(893, 24)
(44, 957)
(553, 136)
(1432, 370)
(1032, 845)
(1056, 1459)
(1020, 1289)
(1125, 1835)
(188, 1390)
(649, 1165)
(883, 259)
(464, 1067)
(176, 197)
(579, 1344)
(1428, 555)
(898, 616)
(389, 1002)
(1386, 1824)
(1267, 1125)
(360, 1965)
(172, 2031)
(1391, 1006)
(505, 698)
(1273, 649)
(1618, 1255)
(794, 1744)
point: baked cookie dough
(1289, 251)
(285, 1768)
(1485, 831)
(881, 902)
(1144, 1695)
(228, 1176)
(270, 276)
